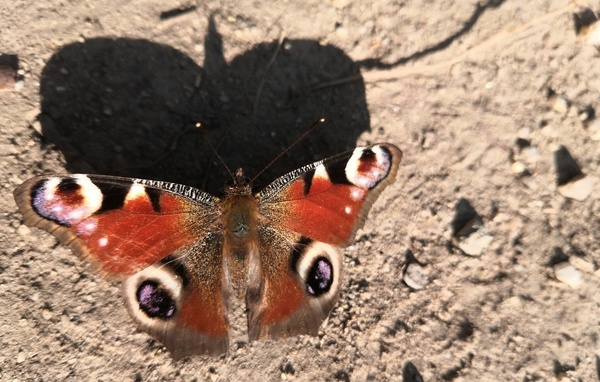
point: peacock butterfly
(182, 252)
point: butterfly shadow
(129, 107)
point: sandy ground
(115, 87)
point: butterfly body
(183, 254)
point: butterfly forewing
(117, 224)
(328, 200)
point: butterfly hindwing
(297, 288)
(158, 235)
(309, 212)
(180, 301)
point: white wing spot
(90, 226)
(357, 194)
(321, 173)
(348, 210)
(92, 196)
(135, 191)
(102, 241)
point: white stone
(23, 230)
(549, 131)
(476, 243)
(594, 130)
(579, 188)
(501, 217)
(531, 154)
(46, 314)
(568, 274)
(37, 126)
(593, 35)
(524, 133)
(518, 168)
(414, 276)
(560, 104)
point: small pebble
(23, 230)
(19, 85)
(476, 242)
(37, 126)
(549, 131)
(342, 32)
(587, 114)
(21, 357)
(518, 168)
(46, 314)
(579, 188)
(444, 315)
(428, 140)
(514, 302)
(524, 133)
(568, 274)
(414, 276)
(594, 130)
(531, 154)
(587, 26)
(593, 37)
(501, 217)
(560, 104)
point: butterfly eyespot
(66, 201)
(319, 277)
(154, 295)
(155, 301)
(368, 166)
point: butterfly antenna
(317, 123)
(214, 150)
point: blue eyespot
(155, 301)
(320, 277)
